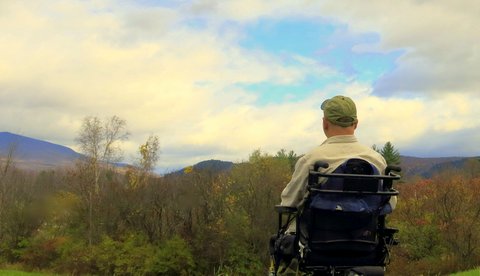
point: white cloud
(73, 60)
(422, 126)
(441, 38)
(63, 61)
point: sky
(220, 79)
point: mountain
(427, 167)
(215, 166)
(34, 154)
(411, 166)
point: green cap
(340, 110)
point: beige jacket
(334, 150)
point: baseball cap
(340, 110)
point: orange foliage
(445, 211)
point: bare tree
(6, 166)
(99, 142)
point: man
(339, 125)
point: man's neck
(340, 131)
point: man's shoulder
(335, 154)
(376, 159)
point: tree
(139, 174)
(21, 208)
(143, 191)
(291, 157)
(98, 142)
(6, 167)
(173, 258)
(149, 153)
(456, 197)
(256, 187)
(472, 168)
(389, 152)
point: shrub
(132, 254)
(106, 255)
(242, 261)
(173, 258)
(40, 253)
(75, 258)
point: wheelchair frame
(385, 235)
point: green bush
(40, 253)
(75, 257)
(242, 261)
(173, 258)
(106, 255)
(422, 241)
(132, 254)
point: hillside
(212, 165)
(34, 154)
(426, 167)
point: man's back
(334, 151)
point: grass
(20, 273)
(473, 272)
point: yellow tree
(149, 154)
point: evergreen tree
(390, 153)
(291, 157)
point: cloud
(422, 127)
(176, 72)
(458, 143)
(74, 60)
(440, 37)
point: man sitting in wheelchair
(332, 213)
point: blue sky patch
(299, 37)
(332, 45)
(271, 93)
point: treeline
(439, 222)
(130, 222)
(97, 219)
(208, 223)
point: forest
(96, 218)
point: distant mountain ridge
(428, 166)
(212, 165)
(35, 154)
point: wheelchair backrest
(342, 213)
(353, 186)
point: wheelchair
(341, 228)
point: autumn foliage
(209, 223)
(195, 223)
(439, 222)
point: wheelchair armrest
(285, 209)
(389, 230)
(389, 236)
(391, 168)
(319, 164)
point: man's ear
(355, 125)
(325, 123)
